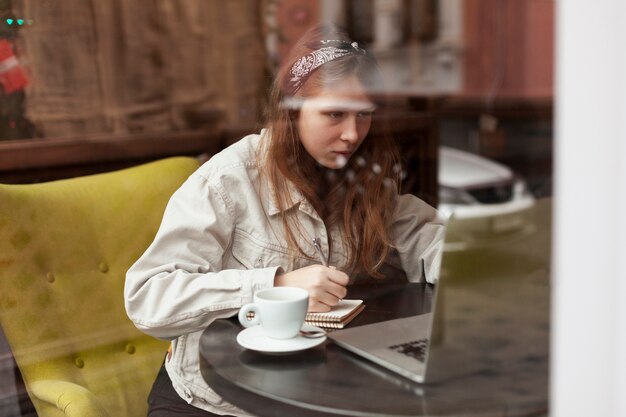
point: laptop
(490, 311)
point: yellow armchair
(65, 247)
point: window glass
(92, 86)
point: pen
(318, 248)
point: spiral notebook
(340, 315)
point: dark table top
(329, 381)
(512, 277)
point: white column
(449, 47)
(589, 302)
(388, 25)
(333, 12)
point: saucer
(253, 338)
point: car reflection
(487, 199)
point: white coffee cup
(279, 310)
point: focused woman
(323, 168)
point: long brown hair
(359, 198)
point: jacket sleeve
(418, 231)
(178, 286)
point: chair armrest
(70, 398)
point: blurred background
(476, 75)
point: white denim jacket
(221, 240)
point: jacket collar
(296, 198)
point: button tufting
(103, 267)
(130, 348)
(50, 277)
(79, 362)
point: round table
(330, 381)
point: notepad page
(338, 312)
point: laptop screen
(490, 318)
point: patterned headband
(330, 49)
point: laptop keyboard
(415, 349)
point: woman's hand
(326, 285)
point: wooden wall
(509, 48)
(121, 66)
(115, 83)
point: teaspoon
(312, 333)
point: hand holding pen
(326, 285)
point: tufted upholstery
(65, 247)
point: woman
(321, 169)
